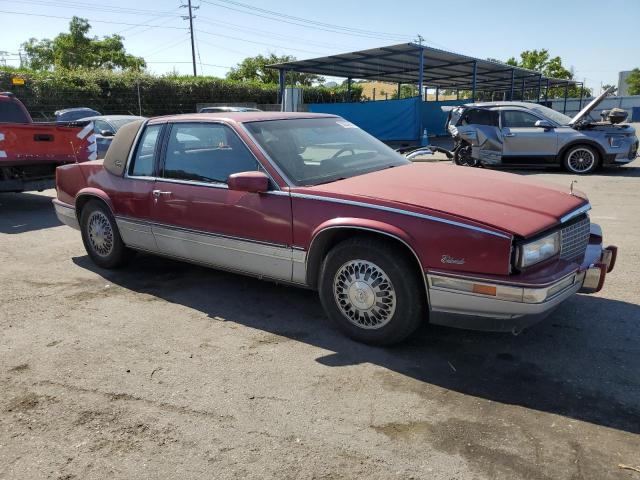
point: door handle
(159, 193)
(509, 134)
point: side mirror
(544, 124)
(106, 133)
(253, 182)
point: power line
(311, 25)
(349, 30)
(92, 20)
(258, 43)
(92, 7)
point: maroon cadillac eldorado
(312, 200)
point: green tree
(633, 80)
(541, 61)
(255, 69)
(76, 49)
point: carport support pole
(539, 86)
(474, 81)
(546, 92)
(457, 94)
(399, 89)
(421, 74)
(522, 90)
(581, 95)
(349, 89)
(513, 78)
(437, 93)
(281, 85)
(566, 94)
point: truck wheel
(101, 237)
(371, 290)
(581, 159)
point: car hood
(590, 106)
(512, 203)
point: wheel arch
(329, 234)
(87, 194)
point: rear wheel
(101, 237)
(581, 159)
(371, 290)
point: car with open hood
(313, 201)
(532, 135)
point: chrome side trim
(299, 266)
(400, 212)
(198, 232)
(66, 214)
(575, 213)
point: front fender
(325, 235)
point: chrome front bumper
(479, 304)
(66, 214)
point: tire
(360, 269)
(462, 156)
(101, 237)
(581, 159)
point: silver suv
(528, 134)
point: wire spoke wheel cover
(581, 160)
(100, 233)
(364, 294)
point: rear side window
(10, 112)
(480, 117)
(518, 119)
(143, 161)
(206, 152)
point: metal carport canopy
(401, 64)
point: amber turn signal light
(484, 289)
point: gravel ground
(167, 370)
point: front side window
(311, 151)
(206, 152)
(518, 119)
(143, 161)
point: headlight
(538, 250)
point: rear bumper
(66, 214)
(478, 304)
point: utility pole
(419, 39)
(190, 17)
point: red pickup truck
(30, 152)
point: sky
(590, 36)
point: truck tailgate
(46, 143)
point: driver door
(523, 141)
(198, 218)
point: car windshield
(557, 117)
(312, 151)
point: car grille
(575, 238)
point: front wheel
(581, 159)
(101, 237)
(372, 291)
(462, 155)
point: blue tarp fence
(387, 120)
(393, 120)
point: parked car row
(528, 134)
(313, 201)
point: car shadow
(622, 171)
(26, 212)
(581, 363)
